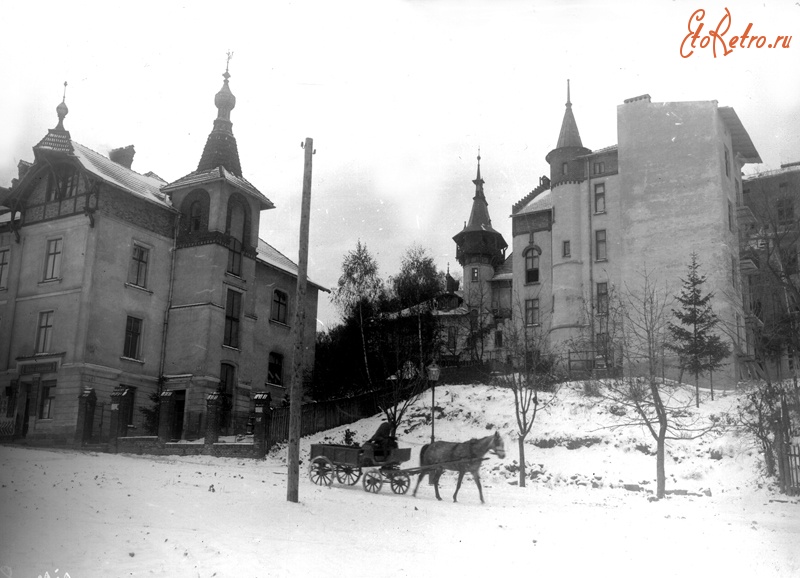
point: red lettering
(698, 15)
(734, 40)
(761, 41)
(726, 20)
(744, 36)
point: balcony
(748, 262)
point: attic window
(62, 183)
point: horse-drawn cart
(348, 463)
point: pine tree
(698, 347)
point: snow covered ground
(81, 514)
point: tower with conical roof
(215, 269)
(567, 182)
(480, 249)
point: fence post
(166, 413)
(86, 404)
(213, 411)
(263, 421)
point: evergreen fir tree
(698, 347)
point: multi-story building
(114, 279)
(602, 218)
(770, 241)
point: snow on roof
(143, 186)
(271, 256)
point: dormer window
(62, 183)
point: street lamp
(433, 377)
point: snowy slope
(83, 514)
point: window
(600, 198)
(48, 399)
(236, 219)
(730, 216)
(599, 168)
(133, 338)
(531, 312)
(44, 332)
(62, 183)
(600, 245)
(195, 216)
(531, 266)
(52, 263)
(734, 276)
(137, 274)
(602, 298)
(727, 163)
(738, 191)
(452, 333)
(4, 266)
(788, 257)
(564, 168)
(498, 339)
(565, 249)
(280, 306)
(475, 277)
(275, 369)
(784, 208)
(233, 308)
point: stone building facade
(670, 187)
(123, 284)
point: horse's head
(497, 446)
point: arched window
(195, 216)
(531, 266)
(195, 209)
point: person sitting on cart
(382, 440)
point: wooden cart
(348, 463)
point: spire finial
(569, 102)
(227, 65)
(61, 109)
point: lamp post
(433, 377)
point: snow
(83, 514)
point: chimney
(123, 156)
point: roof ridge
(74, 142)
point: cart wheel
(372, 481)
(321, 471)
(348, 474)
(400, 483)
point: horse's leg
(436, 477)
(419, 479)
(458, 485)
(477, 477)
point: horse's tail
(422, 454)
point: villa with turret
(602, 218)
(117, 285)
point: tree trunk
(364, 344)
(661, 476)
(522, 473)
(711, 382)
(697, 389)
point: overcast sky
(398, 96)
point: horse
(459, 457)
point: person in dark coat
(383, 440)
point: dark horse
(460, 457)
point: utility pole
(296, 385)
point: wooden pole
(296, 386)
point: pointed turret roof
(478, 236)
(569, 135)
(221, 149)
(58, 138)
